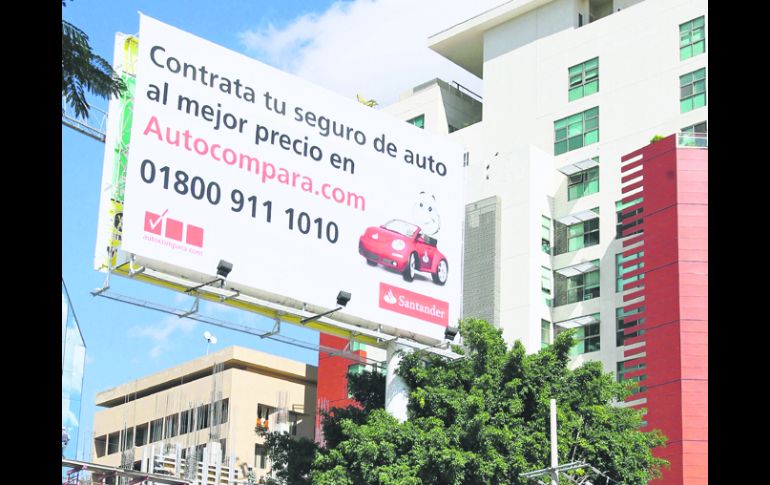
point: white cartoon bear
(425, 213)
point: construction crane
(94, 126)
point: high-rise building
(73, 361)
(570, 87)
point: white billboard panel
(305, 192)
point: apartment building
(570, 88)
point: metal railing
(94, 126)
(692, 140)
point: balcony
(692, 140)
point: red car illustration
(402, 246)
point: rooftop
(463, 43)
(231, 357)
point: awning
(577, 269)
(578, 322)
(576, 167)
(578, 217)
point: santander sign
(414, 304)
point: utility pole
(554, 447)
(555, 470)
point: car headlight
(375, 236)
(398, 244)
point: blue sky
(375, 48)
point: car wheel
(442, 272)
(371, 263)
(411, 267)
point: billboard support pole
(396, 389)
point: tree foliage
(485, 419)
(82, 70)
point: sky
(376, 48)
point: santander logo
(414, 304)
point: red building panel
(675, 298)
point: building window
(692, 38)
(620, 270)
(576, 131)
(203, 417)
(263, 415)
(694, 135)
(156, 430)
(583, 234)
(546, 285)
(225, 410)
(293, 420)
(185, 424)
(141, 434)
(172, 426)
(100, 446)
(223, 445)
(692, 90)
(545, 333)
(260, 457)
(584, 79)
(545, 234)
(418, 121)
(586, 338)
(583, 183)
(622, 371)
(620, 228)
(581, 287)
(621, 325)
(128, 439)
(113, 440)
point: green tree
(292, 458)
(82, 70)
(485, 419)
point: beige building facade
(204, 413)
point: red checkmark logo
(153, 222)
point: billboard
(305, 192)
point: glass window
(141, 434)
(545, 333)
(694, 135)
(621, 325)
(583, 183)
(581, 287)
(692, 38)
(583, 234)
(620, 227)
(202, 418)
(576, 131)
(692, 90)
(418, 121)
(185, 424)
(128, 439)
(293, 420)
(156, 430)
(545, 234)
(100, 445)
(263, 415)
(172, 426)
(584, 79)
(546, 285)
(260, 457)
(113, 440)
(586, 338)
(622, 371)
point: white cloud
(377, 48)
(160, 333)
